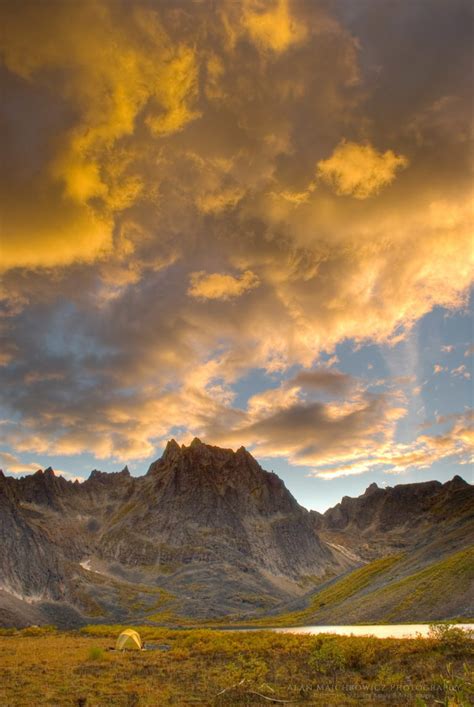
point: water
(381, 631)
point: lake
(380, 631)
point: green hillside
(383, 591)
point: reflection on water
(387, 631)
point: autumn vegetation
(42, 666)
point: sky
(248, 222)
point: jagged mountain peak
(198, 454)
(456, 481)
(172, 449)
(208, 475)
(48, 477)
(196, 443)
(95, 474)
(371, 489)
(107, 477)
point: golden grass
(53, 668)
(452, 575)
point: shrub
(38, 630)
(328, 658)
(452, 639)
(96, 653)
(362, 653)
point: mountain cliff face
(432, 517)
(416, 545)
(207, 503)
(205, 533)
(27, 557)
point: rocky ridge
(206, 533)
(205, 525)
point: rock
(384, 520)
(206, 524)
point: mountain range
(207, 535)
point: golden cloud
(5, 358)
(220, 285)
(456, 444)
(64, 232)
(220, 200)
(106, 69)
(271, 25)
(11, 464)
(359, 170)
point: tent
(129, 640)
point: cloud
(305, 433)
(5, 358)
(12, 465)
(221, 286)
(336, 472)
(158, 164)
(461, 371)
(456, 444)
(282, 422)
(359, 170)
(102, 73)
(65, 232)
(220, 200)
(271, 26)
(332, 382)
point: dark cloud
(313, 432)
(332, 382)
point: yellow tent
(129, 640)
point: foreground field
(45, 667)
